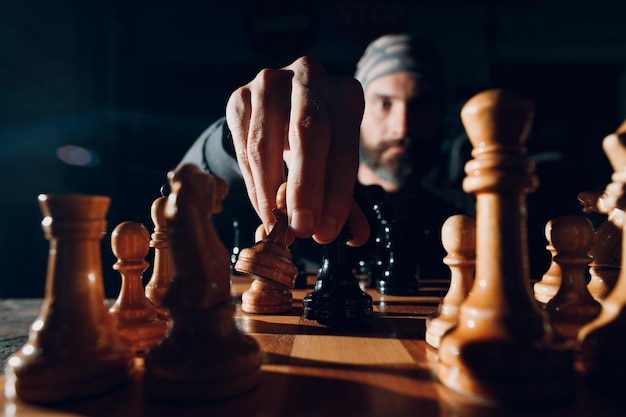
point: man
(313, 123)
(400, 139)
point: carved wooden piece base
(204, 358)
(266, 298)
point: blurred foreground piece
(603, 340)
(204, 356)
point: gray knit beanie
(401, 53)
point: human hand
(300, 116)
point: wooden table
(385, 369)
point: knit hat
(401, 53)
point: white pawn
(162, 266)
(548, 286)
(137, 319)
(458, 236)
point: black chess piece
(337, 299)
(396, 265)
(380, 255)
(370, 260)
(234, 252)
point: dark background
(136, 81)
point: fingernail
(327, 229)
(302, 221)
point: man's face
(401, 127)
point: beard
(400, 169)
(397, 170)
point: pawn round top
(497, 117)
(570, 235)
(458, 235)
(157, 211)
(130, 241)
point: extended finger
(309, 139)
(238, 111)
(345, 113)
(259, 153)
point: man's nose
(399, 122)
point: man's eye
(383, 104)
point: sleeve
(213, 152)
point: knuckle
(253, 155)
(307, 69)
(267, 78)
(235, 107)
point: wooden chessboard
(383, 369)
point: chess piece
(73, 349)
(606, 250)
(374, 256)
(337, 299)
(458, 235)
(162, 266)
(501, 348)
(399, 276)
(204, 356)
(382, 243)
(234, 252)
(137, 319)
(548, 286)
(572, 306)
(268, 262)
(394, 270)
(602, 341)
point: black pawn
(337, 298)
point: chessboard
(383, 368)
(200, 339)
